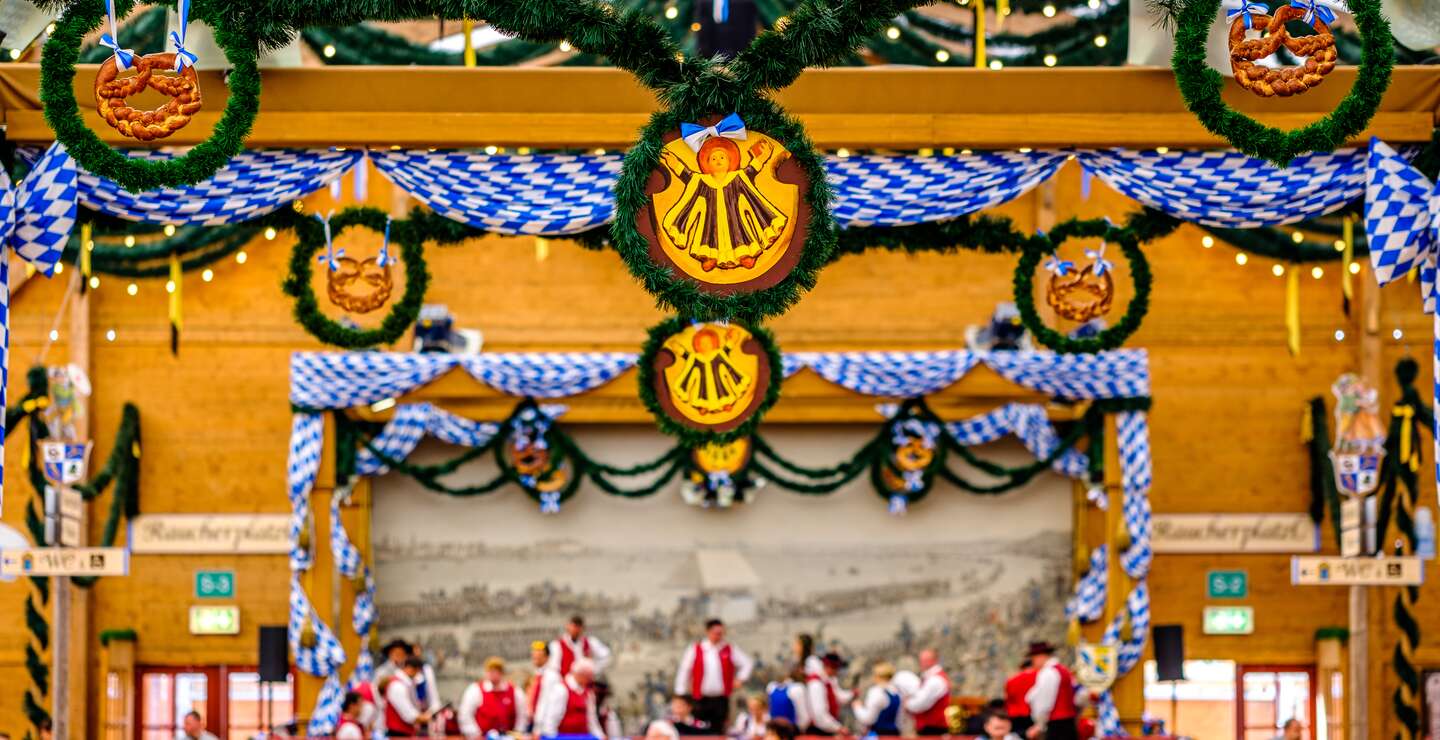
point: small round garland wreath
(1089, 292)
(905, 470)
(724, 214)
(533, 457)
(62, 112)
(717, 476)
(709, 382)
(1201, 86)
(311, 238)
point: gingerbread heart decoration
(112, 91)
(1318, 50)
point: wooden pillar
(1362, 609)
(117, 659)
(317, 581)
(69, 655)
(1129, 690)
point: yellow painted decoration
(1292, 311)
(723, 458)
(87, 232)
(467, 27)
(1347, 283)
(713, 378)
(980, 62)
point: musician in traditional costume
(573, 643)
(1052, 700)
(350, 727)
(492, 704)
(750, 723)
(929, 702)
(709, 672)
(722, 219)
(543, 677)
(1017, 702)
(880, 711)
(568, 707)
(826, 697)
(788, 700)
(404, 714)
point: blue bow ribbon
(124, 58)
(183, 57)
(730, 127)
(898, 504)
(1058, 266)
(384, 258)
(1314, 9)
(332, 256)
(924, 431)
(721, 11)
(550, 502)
(1248, 9)
(1097, 257)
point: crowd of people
(565, 694)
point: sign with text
(1229, 620)
(69, 532)
(199, 534)
(65, 561)
(214, 584)
(1234, 533)
(214, 620)
(1318, 570)
(72, 504)
(1227, 584)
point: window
(1202, 706)
(117, 715)
(168, 694)
(1270, 696)
(232, 702)
(250, 707)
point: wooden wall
(1225, 434)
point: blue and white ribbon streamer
(1087, 604)
(1315, 10)
(1031, 425)
(183, 57)
(1060, 267)
(1097, 258)
(729, 127)
(331, 258)
(1247, 10)
(124, 58)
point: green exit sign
(1227, 584)
(214, 620)
(215, 584)
(1229, 620)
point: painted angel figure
(722, 219)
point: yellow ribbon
(1292, 310)
(468, 26)
(175, 275)
(980, 34)
(1408, 455)
(542, 249)
(1002, 9)
(1307, 425)
(86, 244)
(1347, 285)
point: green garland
(1201, 87)
(57, 94)
(1106, 339)
(311, 239)
(689, 436)
(1401, 482)
(37, 599)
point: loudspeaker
(1169, 651)
(274, 654)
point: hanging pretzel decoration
(111, 91)
(368, 275)
(1081, 295)
(1317, 49)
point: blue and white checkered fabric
(1133, 431)
(1128, 652)
(254, 183)
(347, 555)
(327, 654)
(1119, 374)
(307, 432)
(897, 374)
(1088, 602)
(45, 210)
(410, 424)
(550, 194)
(899, 190)
(1031, 425)
(1228, 189)
(547, 375)
(327, 708)
(7, 222)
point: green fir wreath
(311, 239)
(690, 436)
(62, 112)
(1201, 87)
(1106, 339)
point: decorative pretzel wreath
(62, 112)
(1078, 299)
(1201, 86)
(1318, 50)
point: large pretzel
(340, 283)
(182, 89)
(1318, 50)
(1083, 296)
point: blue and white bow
(925, 431)
(1315, 9)
(331, 258)
(1248, 10)
(550, 502)
(384, 258)
(720, 11)
(124, 58)
(729, 127)
(1097, 257)
(183, 57)
(898, 505)
(1058, 266)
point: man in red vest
(492, 704)
(568, 707)
(826, 697)
(349, 727)
(1017, 706)
(1052, 699)
(403, 715)
(573, 643)
(709, 672)
(929, 702)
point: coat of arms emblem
(1359, 446)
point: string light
(1049, 11)
(927, 152)
(942, 56)
(50, 30)
(1297, 237)
(1094, 4)
(14, 53)
(523, 150)
(94, 282)
(1317, 272)
(54, 335)
(1241, 258)
(1026, 150)
(1339, 335)
(1397, 334)
(328, 51)
(599, 152)
(208, 275)
(996, 64)
(270, 233)
(1051, 60)
(695, 27)
(1354, 268)
(169, 229)
(299, 205)
(565, 46)
(948, 151)
(59, 268)
(842, 152)
(169, 286)
(892, 33)
(130, 241)
(1101, 40)
(1162, 150)
(132, 289)
(492, 149)
(1207, 241)
(240, 256)
(110, 335)
(965, 152)
(1278, 271)
(1339, 245)
(672, 12)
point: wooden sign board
(66, 561)
(220, 534)
(1320, 570)
(1234, 533)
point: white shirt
(400, 696)
(432, 689)
(474, 696)
(547, 678)
(798, 699)
(747, 727)
(820, 702)
(554, 699)
(1043, 694)
(877, 698)
(348, 731)
(933, 688)
(712, 681)
(599, 653)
